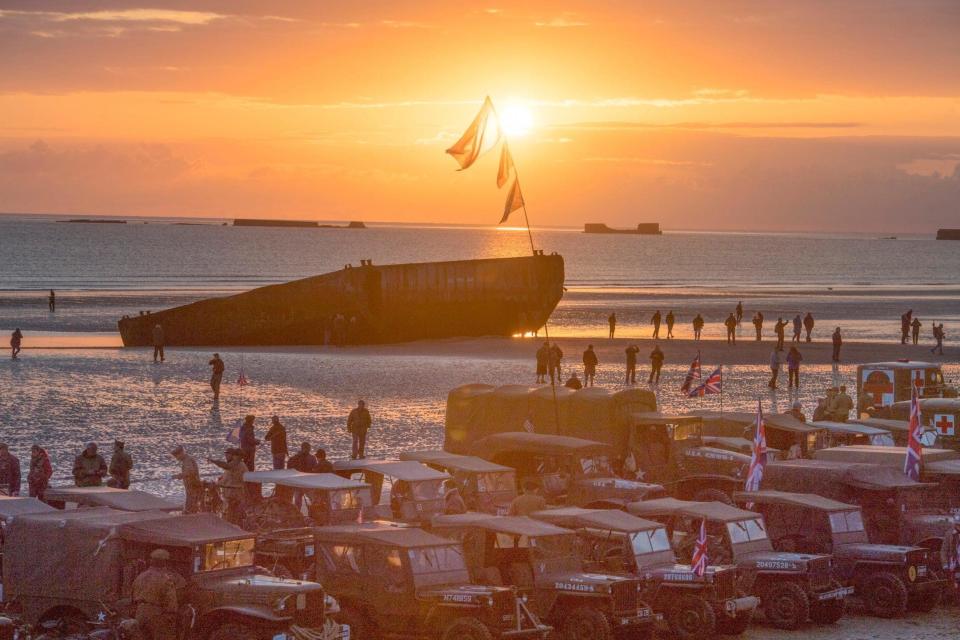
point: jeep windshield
(646, 542)
(552, 554)
(230, 554)
(746, 531)
(596, 466)
(496, 482)
(347, 499)
(438, 565)
(846, 521)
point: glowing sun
(516, 119)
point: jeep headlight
(912, 573)
(284, 605)
(331, 605)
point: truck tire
(466, 628)
(692, 618)
(886, 595)
(786, 605)
(927, 602)
(712, 495)
(232, 631)
(828, 611)
(586, 623)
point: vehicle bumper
(833, 594)
(540, 631)
(643, 616)
(734, 606)
(331, 630)
(925, 586)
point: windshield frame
(739, 534)
(211, 555)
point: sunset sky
(833, 115)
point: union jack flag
(699, 561)
(692, 374)
(758, 456)
(911, 465)
(713, 384)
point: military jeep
(403, 490)
(541, 561)
(694, 607)
(400, 580)
(888, 578)
(484, 486)
(92, 556)
(63, 497)
(785, 433)
(569, 471)
(792, 587)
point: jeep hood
(878, 552)
(460, 593)
(620, 488)
(779, 560)
(683, 572)
(257, 582)
(583, 582)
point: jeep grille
(819, 572)
(625, 597)
(725, 583)
(313, 615)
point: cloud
(615, 125)
(561, 23)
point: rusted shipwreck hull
(390, 303)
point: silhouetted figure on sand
(774, 368)
(758, 325)
(739, 312)
(573, 382)
(915, 330)
(358, 423)
(612, 321)
(670, 320)
(797, 328)
(837, 343)
(697, 326)
(543, 361)
(731, 324)
(590, 362)
(939, 336)
(656, 363)
(794, 358)
(52, 301)
(632, 352)
(655, 321)
(216, 376)
(779, 330)
(808, 323)
(158, 341)
(16, 339)
(905, 321)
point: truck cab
(881, 384)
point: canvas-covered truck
(90, 558)
(881, 384)
(940, 418)
(785, 433)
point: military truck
(484, 486)
(414, 491)
(888, 578)
(896, 510)
(843, 434)
(569, 471)
(91, 557)
(64, 497)
(541, 561)
(403, 581)
(695, 607)
(940, 418)
(792, 587)
(784, 432)
(881, 384)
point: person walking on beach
(16, 338)
(739, 312)
(612, 321)
(38, 478)
(670, 320)
(915, 330)
(731, 324)
(632, 352)
(797, 328)
(774, 368)
(358, 423)
(216, 377)
(249, 442)
(808, 323)
(52, 301)
(9, 472)
(573, 382)
(277, 436)
(543, 360)
(779, 330)
(556, 355)
(89, 467)
(697, 326)
(590, 362)
(231, 484)
(190, 477)
(938, 335)
(158, 340)
(120, 465)
(656, 363)
(905, 321)
(655, 321)
(837, 343)
(794, 358)
(758, 325)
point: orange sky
(719, 115)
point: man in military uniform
(155, 596)
(231, 484)
(190, 476)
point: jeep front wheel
(786, 605)
(692, 618)
(886, 595)
(586, 624)
(232, 631)
(466, 628)
(361, 627)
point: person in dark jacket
(779, 330)
(358, 423)
(739, 312)
(120, 465)
(697, 326)
(837, 343)
(794, 358)
(632, 352)
(612, 321)
(655, 321)
(89, 468)
(248, 442)
(9, 472)
(323, 465)
(758, 325)
(556, 357)
(543, 361)
(671, 319)
(590, 362)
(216, 377)
(656, 363)
(16, 339)
(905, 321)
(915, 330)
(808, 323)
(277, 436)
(52, 301)
(573, 382)
(731, 324)
(303, 461)
(158, 342)
(38, 479)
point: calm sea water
(103, 271)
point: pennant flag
(692, 374)
(242, 380)
(911, 465)
(506, 166)
(699, 560)
(474, 141)
(514, 201)
(233, 435)
(758, 455)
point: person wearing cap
(9, 472)
(38, 478)
(231, 484)
(277, 436)
(154, 593)
(120, 465)
(89, 468)
(216, 377)
(358, 423)
(190, 476)
(797, 412)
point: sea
(73, 384)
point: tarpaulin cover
(453, 463)
(512, 525)
(604, 519)
(122, 499)
(832, 478)
(182, 531)
(887, 456)
(806, 500)
(11, 507)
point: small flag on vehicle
(692, 374)
(911, 465)
(699, 560)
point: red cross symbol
(944, 425)
(877, 384)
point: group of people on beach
(89, 469)
(910, 330)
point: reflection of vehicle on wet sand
(541, 561)
(889, 578)
(792, 587)
(398, 580)
(695, 607)
(484, 486)
(402, 490)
